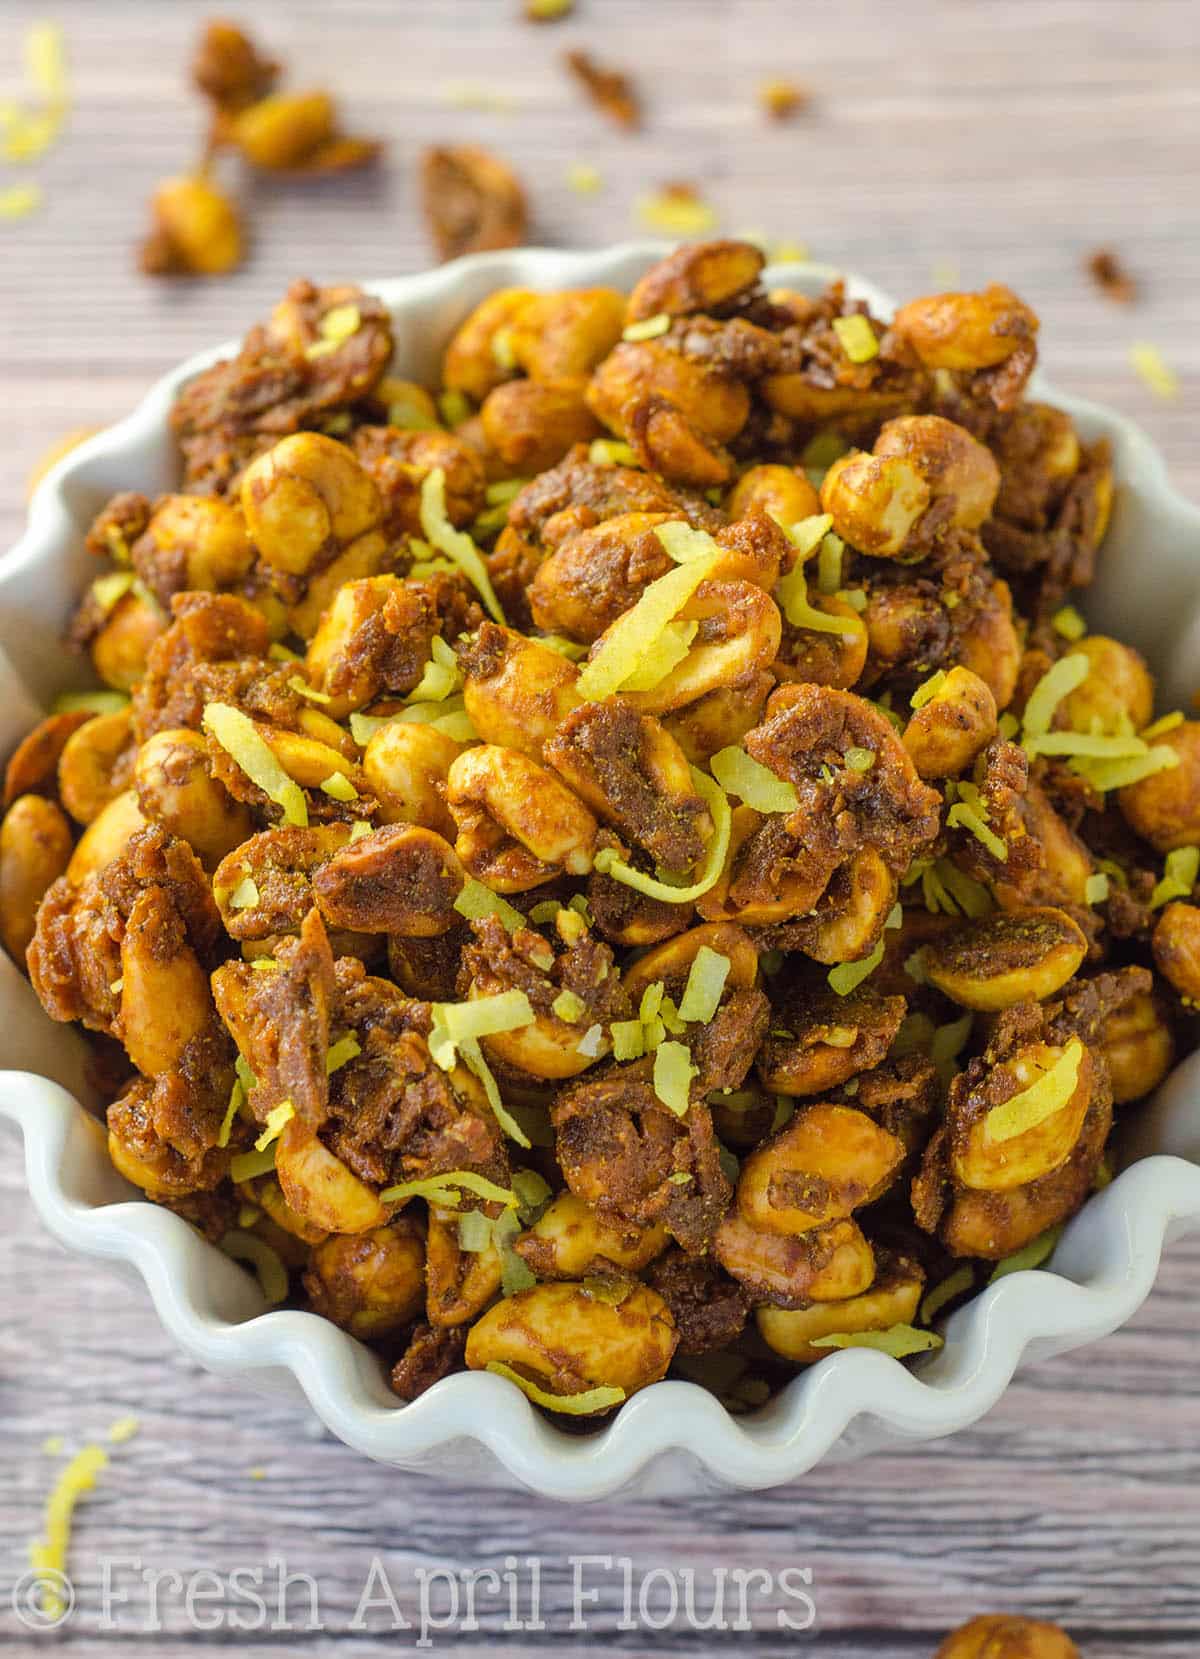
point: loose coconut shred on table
(628, 860)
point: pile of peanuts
(631, 861)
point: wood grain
(1009, 137)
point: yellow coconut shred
(48, 1554)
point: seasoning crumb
(477, 95)
(19, 201)
(1111, 277)
(472, 200)
(783, 99)
(547, 11)
(1152, 367)
(258, 1474)
(124, 1429)
(611, 91)
(584, 179)
(676, 210)
(53, 1444)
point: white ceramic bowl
(673, 1437)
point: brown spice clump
(783, 99)
(472, 200)
(229, 69)
(609, 89)
(1111, 277)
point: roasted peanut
(1165, 807)
(406, 765)
(368, 556)
(781, 492)
(1002, 1636)
(370, 1283)
(892, 1299)
(459, 1283)
(400, 879)
(966, 331)
(677, 413)
(305, 500)
(953, 464)
(266, 1192)
(142, 1156)
(597, 572)
(848, 919)
(106, 837)
(1118, 688)
(1138, 1047)
(1061, 875)
(986, 642)
(875, 501)
(825, 1163)
(296, 132)
(570, 1240)
(195, 229)
(516, 691)
(400, 461)
(672, 961)
(33, 766)
(35, 849)
(320, 1188)
(719, 718)
(192, 543)
(1013, 956)
(564, 336)
(827, 1040)
(279, 865)
(472, 200)
(165, 999)
(1176, 944)
(471, 363)
(120, 649)
(96, 764)
(568, 1341)
(518, 825)
(814, 657)
(696, 277)
(824, 1264)
(531, 424)
(957, 723)
(738, 635)
(986, 1164)
(175, 788)
(806, 737)
(759, 883)
(628, 768)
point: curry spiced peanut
(627, 861)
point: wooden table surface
(1003, 140)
